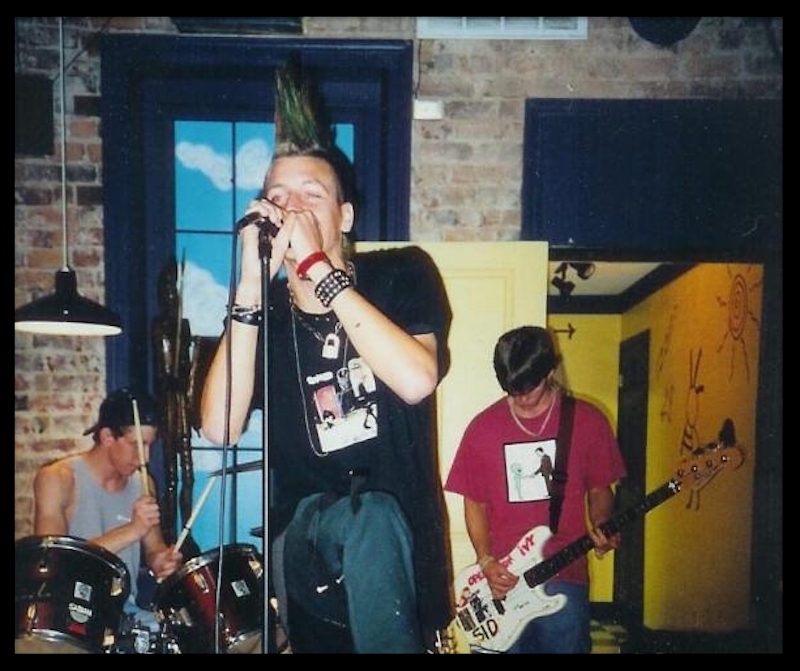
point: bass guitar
(493, 625)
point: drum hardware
(134, 637)
(141, 641)
(241, 468)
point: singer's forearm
(213, 405)
(411, 371)
(248, 294)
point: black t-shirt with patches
(329, 415)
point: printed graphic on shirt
(346, 409)
(529, 470)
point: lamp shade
(66, 312)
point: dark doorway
(632, 437)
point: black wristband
(330, 286)
(251, 317)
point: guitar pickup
(465, 619)
(478, 607)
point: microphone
(264, 223)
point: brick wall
(466, 168)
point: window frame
(148, 81)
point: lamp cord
(65, 263)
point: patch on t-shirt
(345, 404)
(529, 470)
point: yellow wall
(590, 369)
(697, 559)
(697, 546)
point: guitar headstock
(697, 470)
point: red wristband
(305, 265)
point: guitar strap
(564, 441)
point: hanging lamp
(66, 312)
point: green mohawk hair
(302, 128)
(298, 130)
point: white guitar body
(491, 625)
(494, 625)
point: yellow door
(492, 287)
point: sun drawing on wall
(740, 314)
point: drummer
(101, 496)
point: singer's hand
(268, 222)
(299, 233)
(305, 232)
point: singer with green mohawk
(356, 348)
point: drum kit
(70, 596)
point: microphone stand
(264, 252)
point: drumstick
(140, 445)
(195, 512)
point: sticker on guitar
(493, 625)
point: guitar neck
(546, 569)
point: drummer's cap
(116, 411)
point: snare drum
(69, 595)
(186, 601)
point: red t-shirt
(501, 466)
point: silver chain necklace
(330, 343)
(299, 370)
(331, 353)
(525, 429)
